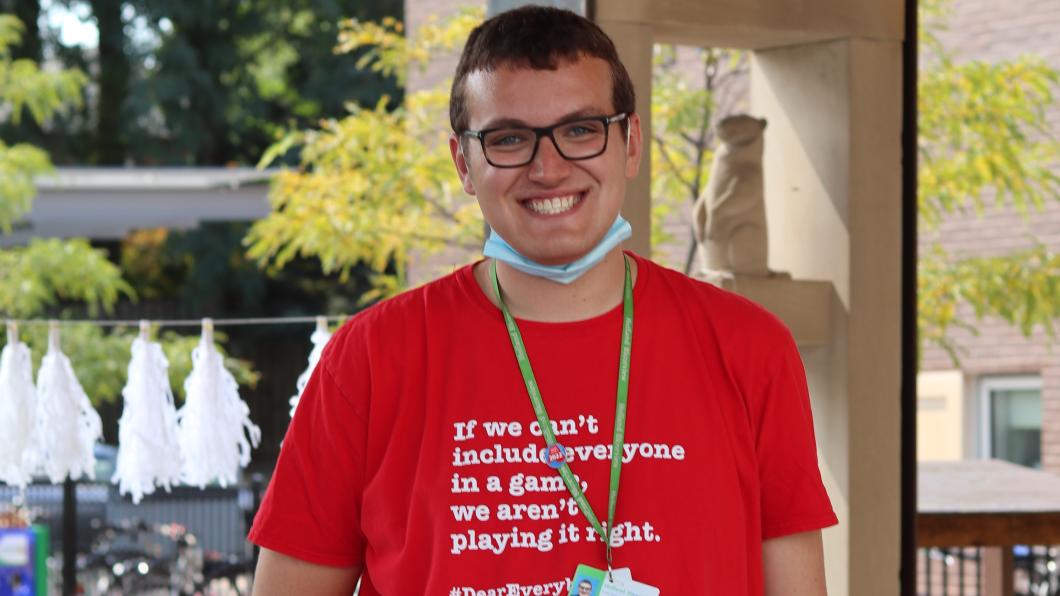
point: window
(1011, 414)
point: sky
(74, 23)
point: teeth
(553, 206)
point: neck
(534, 298)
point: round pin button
(554, 455)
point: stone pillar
(833, 174)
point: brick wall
(991, 31)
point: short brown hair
(540, 38)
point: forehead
(538, 97)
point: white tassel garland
(67, 424)
(214, 428)
(320, 339)
(18, 453)
(148, 452)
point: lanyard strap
(620, 405)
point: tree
(375, 186)
(984, 135)
(226, 77)
(47, 274)
(45, 271)
(200, 82)
(685, 110)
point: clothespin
(53, 336)
(322, 323)
(207, 330)
(145, 329)
(12, 332)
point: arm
(279, 574)
(794, 565)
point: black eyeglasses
(514, 146)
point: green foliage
(19, 166)
(1022, 288)
(225, 78)
(684, 113)
(25, 87)
(391, 54)
(984, 136)
(48, 271)
(984, 131)
(375, 186)
(48, 274)
(207, 272)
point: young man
(479, 435)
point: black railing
(212, 524)
(959, 571)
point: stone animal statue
(729, 219)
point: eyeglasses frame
(547, 131)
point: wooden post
(998, 571)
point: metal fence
(218, 517)
(959, 571)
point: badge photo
(587, 581)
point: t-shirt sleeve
(793, 495)
(311, 508)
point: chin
(558, 257)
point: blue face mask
(497, 248)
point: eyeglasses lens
(575, 140)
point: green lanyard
(553, 447)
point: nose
(548, 165)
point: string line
(229, 322)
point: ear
(456, 150)
(634, 146)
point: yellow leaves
(1022, 288)
(19, 166)
(46, 271)
(983, 131)
(389, 52)
(377, 185)
(10, 34)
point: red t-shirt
(414, 450)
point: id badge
(589, 581)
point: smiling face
(551, 210)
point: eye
(506, 139)
(580, 130)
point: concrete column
(833, 171)
(634, 42)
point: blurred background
(264, 159)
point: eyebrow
(515, 122)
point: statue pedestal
(804, 306)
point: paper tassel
(148, 453)
(18, 453)
(214, 428)
(68, 427)
(320, 339)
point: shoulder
(733, 318)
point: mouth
(553, 205)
